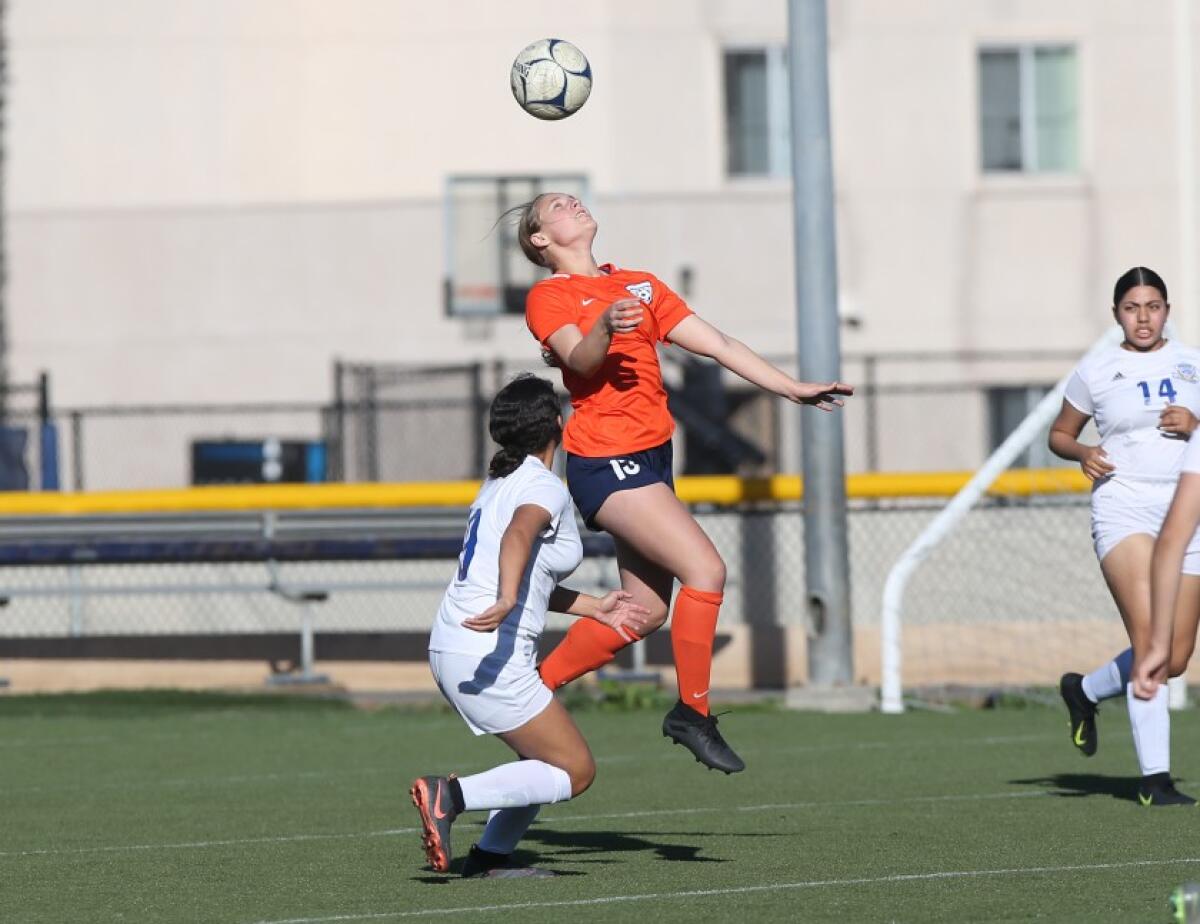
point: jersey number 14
(1165, 390)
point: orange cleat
(431, 796)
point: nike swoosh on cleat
(1080, 741)
(438, 813)
(588, 301)
(1145, 800)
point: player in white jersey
(521, 541)
(1144, 396)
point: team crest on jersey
(1187, 372)
(642, 290)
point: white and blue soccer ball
(551, 79)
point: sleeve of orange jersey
(545, 312)
(668, 308)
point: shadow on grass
(1077, 785)
(576, 844)
(577, 847)
(521, 858)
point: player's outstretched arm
(1150, 666)
(615, 609)
(697, 336)
(515, 546)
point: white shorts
(491, 695)
(1121, 509)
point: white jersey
(556, 553)
(1191, 460)
(1125, 391)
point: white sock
(1151, 730)
(523, 782)
(506, 827)
(1110, 678)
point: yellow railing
(717, 489)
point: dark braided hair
(523, 419)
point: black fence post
(371, 425)
(478, 420)
(871, 412)
(337, 452)
(43, 387)
(76, 451)
(47, 436)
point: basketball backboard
(486, 273)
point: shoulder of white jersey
(532, 472)
(1112, 353)
(542, 476)
(1190, 353)
(486, 489)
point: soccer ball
(551, 79)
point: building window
(1029, 109)
(756, 112)
(1008, 406)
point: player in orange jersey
(601, 326)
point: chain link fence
(390, 422)
(1013, 599)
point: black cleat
(1157, 789)
(698, 733)
(431, 796)
(483, 864)
(1082, 712)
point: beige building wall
(211, 200)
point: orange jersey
(623, 406)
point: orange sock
(693, 628)
(589, 645)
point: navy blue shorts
(592, 479)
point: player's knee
(707, 574)
(1179, 661)
(658, 616)
(717, 574)
(582, 773)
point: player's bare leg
(1126, 570)
(1187, 619)
(553, 738)
(653, 523)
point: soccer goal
(1001, 592)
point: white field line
(252, 778)
(816, 803)
(194, 845)
(555, 819)
(185, 781)
(738, 890)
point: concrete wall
(210, 200)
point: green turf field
(196, 808)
